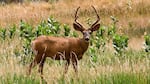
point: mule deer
(57, 48)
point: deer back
(59, 47)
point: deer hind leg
(41, 66)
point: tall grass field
(119, 52)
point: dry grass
(55, 71)
(127, 11)
(30, 12)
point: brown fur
(52, 46)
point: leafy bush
(27, 35)
(26, 31)
(100, 38)
(74, 34)
(120, 43)
(92, 52)
(12, 31)
(112, 28)
(42, 29)
(54, 26)
(67, 30)
(147, 43)
(3, 33)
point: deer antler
(98, 18)
(76, 17)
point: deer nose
(87, 39)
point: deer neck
(84, 44)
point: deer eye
(83, 32)
(90, 32)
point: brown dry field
(133, 16)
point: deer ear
(95, 27)
(78, 27)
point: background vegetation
(119, 51)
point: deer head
(86, 32)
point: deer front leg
(75, 64)
(74, 59)
(67, 65)
(33, 64)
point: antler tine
(98, 18)
(76, 17)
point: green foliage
(12, 31)
(74, 34)
(49, 27)
(26, 31)
(3, 33)
(93, 54)
(54, 26)
(27, 35)
(67, 30)
(112, 28)
(104, 34)
(120, 43)
(100, 38)
(42, 29)
(100, 33)
(147, 43)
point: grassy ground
(108, 70)
(131, 68)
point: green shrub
(26, 31)
(27, 35)
(12, 31)
(147, 43)
(120, 43)
(67, 30)
(101, 38)
(54, 26)
(3, 33)
(49, 27)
